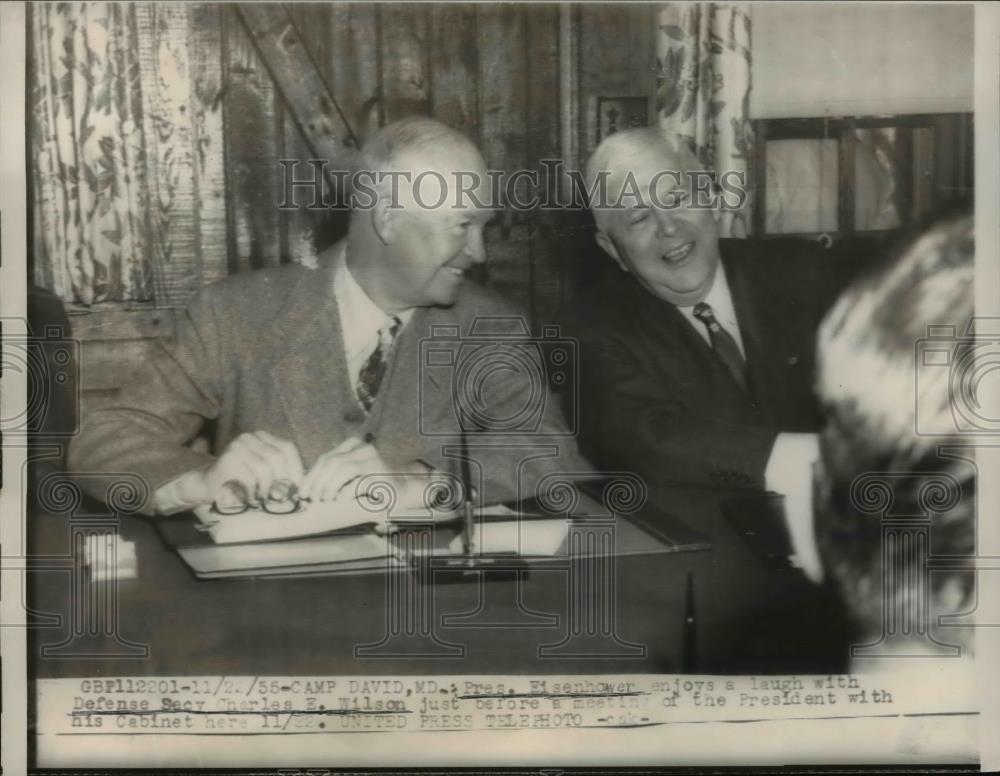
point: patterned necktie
(723, 344)
(371, 374)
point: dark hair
(876, 464)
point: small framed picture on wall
(617, 113)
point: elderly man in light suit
(313, 376)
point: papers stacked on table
(347, 538)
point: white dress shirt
(721, 301)
(789, 467)
(360, 318)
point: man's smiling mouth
(678, 254)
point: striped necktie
(371, 374)
(723, 344)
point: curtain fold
(88, 154)
(703, 90)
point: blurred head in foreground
(878, 391)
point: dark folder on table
(521, 535)
(760, 519)
(351, 551)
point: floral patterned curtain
(87, 153)
(703, 89)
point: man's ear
(609, 247)
(384, 220)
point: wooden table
(750, 616)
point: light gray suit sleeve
(146, 430)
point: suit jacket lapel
(312, 372)
(665, 324)
(678, 345)
(762, 326)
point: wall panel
(503, 138)
(404, 38)
(252, 138)
(493, 71)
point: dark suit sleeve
(145, 430)
(629, 421)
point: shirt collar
(719, 298)
(360, 317)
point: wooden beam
(454, 64)
(252, 172)
(758, 189)
(546, 253)
(846, 178)
(404, 60)
(569, 93)
(299, 225)
(208, 138)
(353, 64)
(171, 173)
(119, 323)
(503, 121)
(306, 95)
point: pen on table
(469, 525)
(689, 646)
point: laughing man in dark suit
(697, 353)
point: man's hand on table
(254, 462)
(332, 474)
(790, 472)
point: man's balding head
(632, 149)
(394, 146)
(418, 226)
